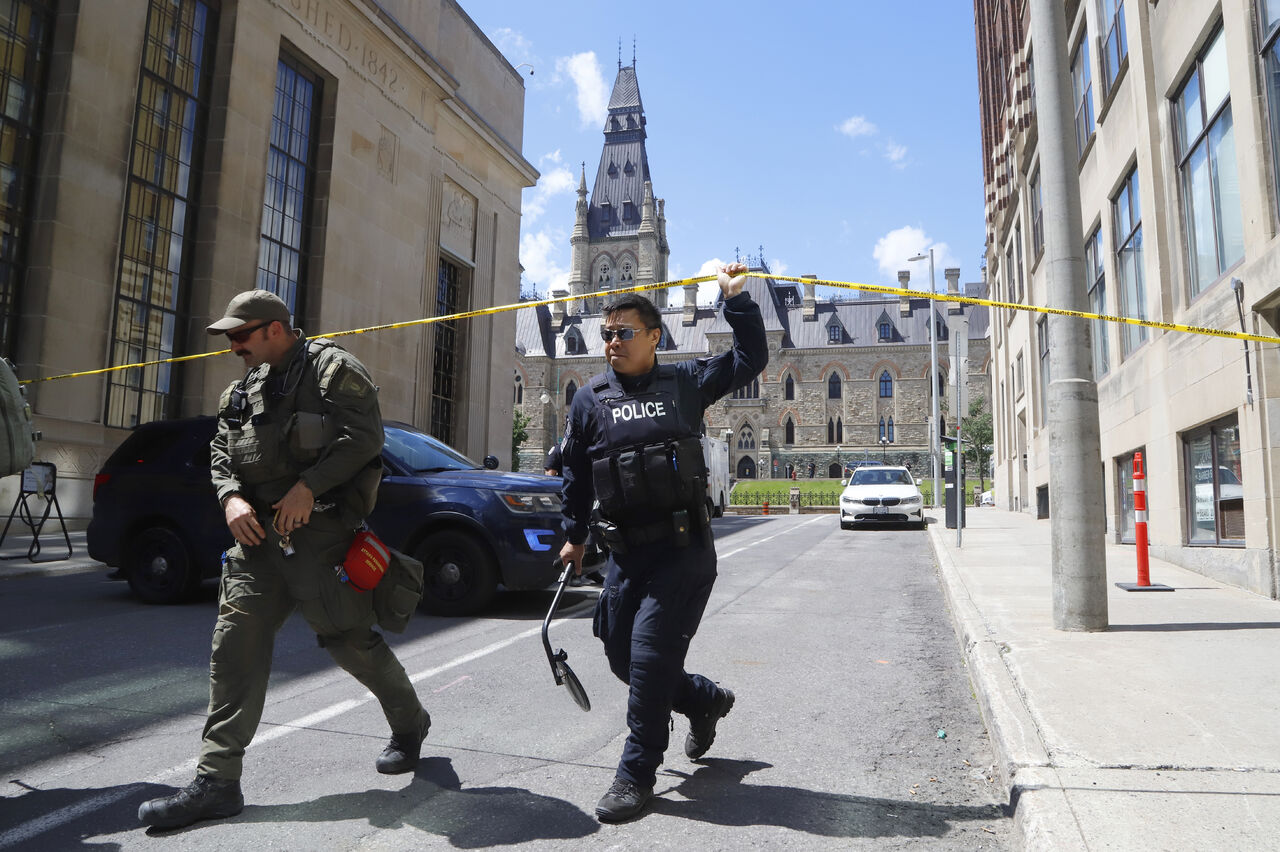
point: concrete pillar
(1078, 552)
(809, 312)
(904, 302)
(690, 314)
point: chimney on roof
(558, 310)
(690, 315)
(904, 302)
(809, 313)
(952, 274)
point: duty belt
(677, 531)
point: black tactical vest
(647, 462)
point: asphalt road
(855, 726)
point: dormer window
(629, 168)
(833, 333)
(628, 210)
(613, 169)
(886, 330)
(573, 342)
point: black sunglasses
(243, 334)
(624, 333)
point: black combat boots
(203, 798)
(702, 730)
(401, 753)
(624, 800)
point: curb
(1042, 816)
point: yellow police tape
(662, 285)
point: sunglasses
(243, 334)
(624, 333)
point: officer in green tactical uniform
(296, 463)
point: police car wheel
(459, 574)
(159, 567)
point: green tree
(519, 434)
(979, 437)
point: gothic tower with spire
(620, 235)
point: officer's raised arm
(728, 371)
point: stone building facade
(1177, 136)
(847, 381)
(361, 158)
(842, 375)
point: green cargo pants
(260, 587)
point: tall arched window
(751, 391)
(789, 391)
(569, 390)
(881, 429)
(746, 438)
(886, 385)
(839, 430)
(833, 386)
(890, 433)
(831, 431)
(791, 432)
(519, 389)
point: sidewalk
(1162, 733)
(48, 561)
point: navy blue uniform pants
(649, 610)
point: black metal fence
(783, 498)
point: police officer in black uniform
(632, 442)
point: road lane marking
(62, 816)
(451, 684)
(33, 827)
(768, 538)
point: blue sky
(841, 137)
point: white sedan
(881, 494)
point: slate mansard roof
(624, 163)
(781, 307)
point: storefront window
(1215, 488)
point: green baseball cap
(251, 306)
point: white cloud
(593, 91)
(896, 154)
(544, 256)
(778, 266)
(553, 183)
(710, 290)
(553, 157)
(894, 248)
(512, 44)
(856, 126)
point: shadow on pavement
(64, 818)
(1193, 625)
(717, 795)
(469, 818)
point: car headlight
(527, 503)
(911, 501)
(850, 500)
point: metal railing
(783, 498)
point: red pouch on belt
(366, 562)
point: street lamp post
(933, 378)
(884, 449)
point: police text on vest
(639, 410)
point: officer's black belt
(679, 530)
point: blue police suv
(156, 518)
